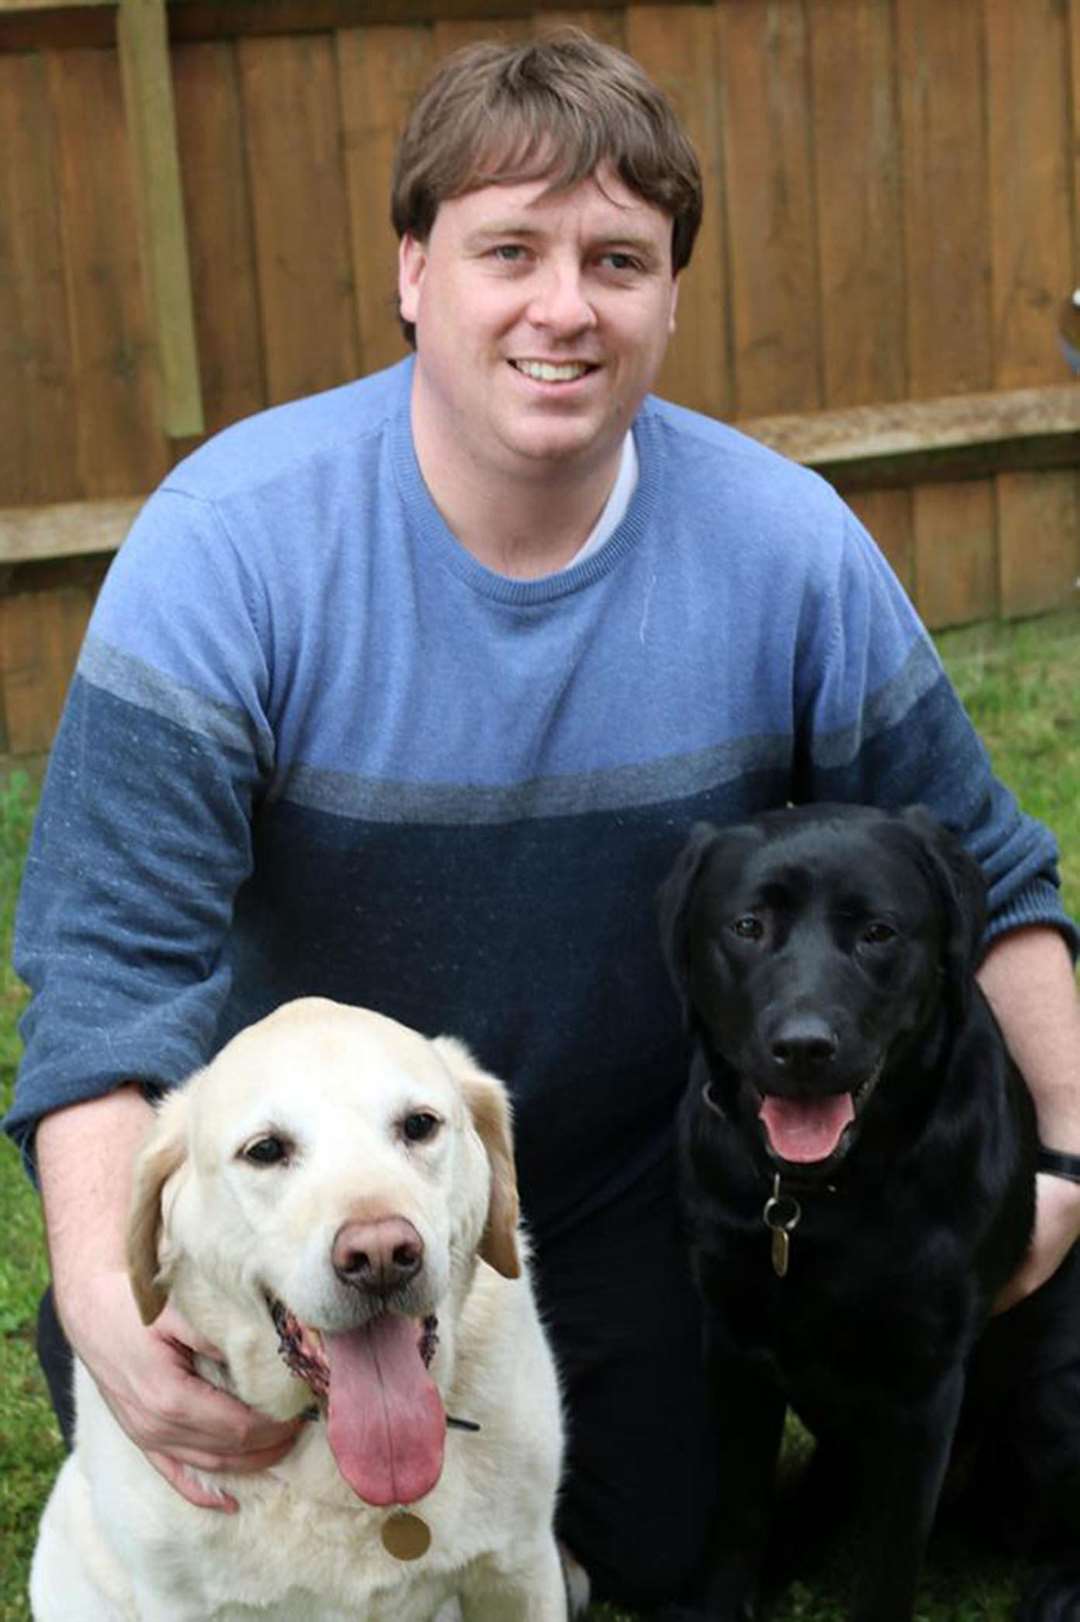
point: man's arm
(85, 1156)
(1028, 980)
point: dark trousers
(54, 1355)
(619, 1304)
(617, 1299)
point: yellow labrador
(332, 1203)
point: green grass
(30, 1450)
(1020, 684)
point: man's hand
(1057, 1228)
(1029, 982)
(147, 1378)
(85, 1156)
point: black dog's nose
(803, 1043)
(377, 1256)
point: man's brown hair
(555, 108)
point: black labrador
(858, 1158)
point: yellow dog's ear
(163, 1153)
(490, 1110)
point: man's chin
(573, 444)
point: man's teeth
(544, 372)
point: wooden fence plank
(119, 444)
(683, 61)
(946, 198)
(381, 69)
(44, 5)
(856, 172)
(1031, 234)
(955, 552)
(64, 530)
(37, 425)
(946, 253)
(159, 210)
(1038, 541)
(1031, 244)
(887, 514)
(296, 173)
(200, 18)
(769, 191)
(41, 633)
(450, 34)
(970, 432)
(220, 233)
(1073, 117)
(609, 26)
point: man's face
(541, 322)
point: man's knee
(640, 1556)
(645, 1575)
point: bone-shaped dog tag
(406, 1536)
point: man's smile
(546, 371)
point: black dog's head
(812, 947)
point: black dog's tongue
(805, 1129)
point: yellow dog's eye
(419, 1126)
(268, 1151)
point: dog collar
(1058, 1164)
(782, 1212)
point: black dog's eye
(878, 933)
(748, 927)
(419, 1126)
(268, 1151)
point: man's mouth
(386, 1425)
(546, 371)
(814, 1131)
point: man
(408, 694)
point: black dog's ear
(961, 888)
(673, 903)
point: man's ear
(675, 285)
(412, 262)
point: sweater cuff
(1039, 904)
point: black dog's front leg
(748, 1410)
(904, 1452)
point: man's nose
(560, 300)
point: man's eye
(419, 1126)
(621, 261)
(510, 253)
(878, 933)
(268, 1151)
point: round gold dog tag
(406, 1536)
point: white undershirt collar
(615, 506)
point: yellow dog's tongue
(385, 1424)
(805, 1129)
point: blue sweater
(313, 746)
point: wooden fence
(193, 224)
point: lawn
(1020, 684)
